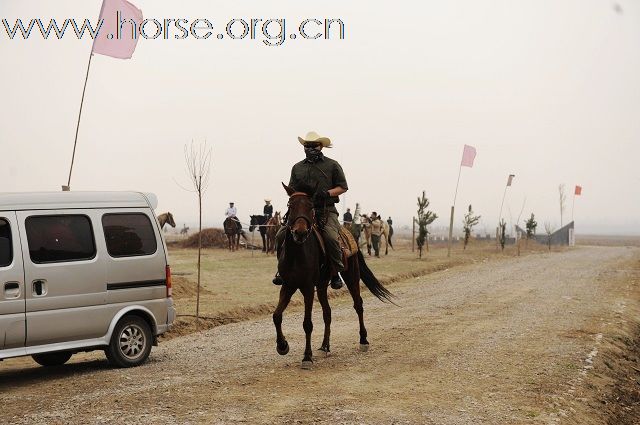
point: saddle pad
(347, 242)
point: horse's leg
(352, 279)
(286, 292)
(386, 243)
(264, 242)
(326, 315)
(307, 325)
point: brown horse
(301, 265)
(233, 229)
(273, 225)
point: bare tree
(563, 198)
(198, 162)
(548, 228)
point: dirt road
(512, 341)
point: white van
(82, 271)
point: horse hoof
(364, 347)
(325, 350)
(283, 350)
(307, 364)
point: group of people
(232, 211)
(377, 226)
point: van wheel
(130, 343)
(52, 359)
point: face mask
(313, 155)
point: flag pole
(504, 195)
(573, 205)
(455, 196)
(75, 143)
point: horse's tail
(371, 282)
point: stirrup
(277, 280)
(336, 281)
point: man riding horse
(327, 177)
(268, 209)
(232, 214)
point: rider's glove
(321, 197)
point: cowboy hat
(267, 200)
(313, 137)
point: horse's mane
(305, 188)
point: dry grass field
(236, 286)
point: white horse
(366, 222)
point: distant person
(268, 209)
(231, 212)
(347, 218)
(389, 221)
(376, 231)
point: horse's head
(170, 221)
(300, 216)
(253, 223)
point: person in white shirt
(231, 211)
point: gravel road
(497, 342)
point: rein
(290, 222)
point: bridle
(291, 221)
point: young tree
(425, 218)
(198, 163)
(503, 233)
(548, 228)
(563, 198)
(468, 223)
(531, 225)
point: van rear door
(12, 294)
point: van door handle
(39, 288)
(12, 290)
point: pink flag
(578, 190)
(119, 34)
(468, 156)
(511, 176)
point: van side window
(6, 251)
(60, 238)
(129, 235)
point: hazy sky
(548, 90)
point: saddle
(347, 243)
